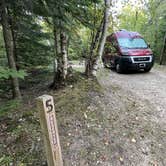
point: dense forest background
(45, 30)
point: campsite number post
(49, 127)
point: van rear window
(132, 43)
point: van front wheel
(118, 68)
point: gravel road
(138, 119)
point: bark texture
(105, 27)
(57, 68)
(163, 50)
(93, 61)
(60, 62)
(63, 39)
(9, 45)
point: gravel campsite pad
(136, 108)
(123, 125)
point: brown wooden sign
(49, 127)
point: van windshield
(132, 43)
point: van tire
(146, 70)
(118, 68)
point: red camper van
(125, 50)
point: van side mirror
(149, 45)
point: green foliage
(5, 160)
(6, 73)
(149, 19)
(33, 45)
(75, 18)
(133, 20)
(79, 43)
(108, 47)
(8, 106)
(33, 29)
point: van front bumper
(136, 62)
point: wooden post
(45, 105)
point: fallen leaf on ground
(133, 140)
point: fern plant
(6, 73)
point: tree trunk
(60, 62)
(57, 62)
(9, 45)
(136, 19)
(155, 35)
(93, 62)
(163, 50)
(96, 38)
(12, 24)
(91, 59)
(15, 46)
(63, 40)
(105, 27)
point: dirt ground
(114, 120)
(122, 124)
(137, 109)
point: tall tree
(94, 59)
(65, 15)
(9, 45)
(163, 50)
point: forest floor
(116, 119)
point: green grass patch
(8, 106)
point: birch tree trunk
(63, 39)
(60, 62)
(104, 31)
(9, 45)
(91, 60)
(94, 61)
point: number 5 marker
(49, 128)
